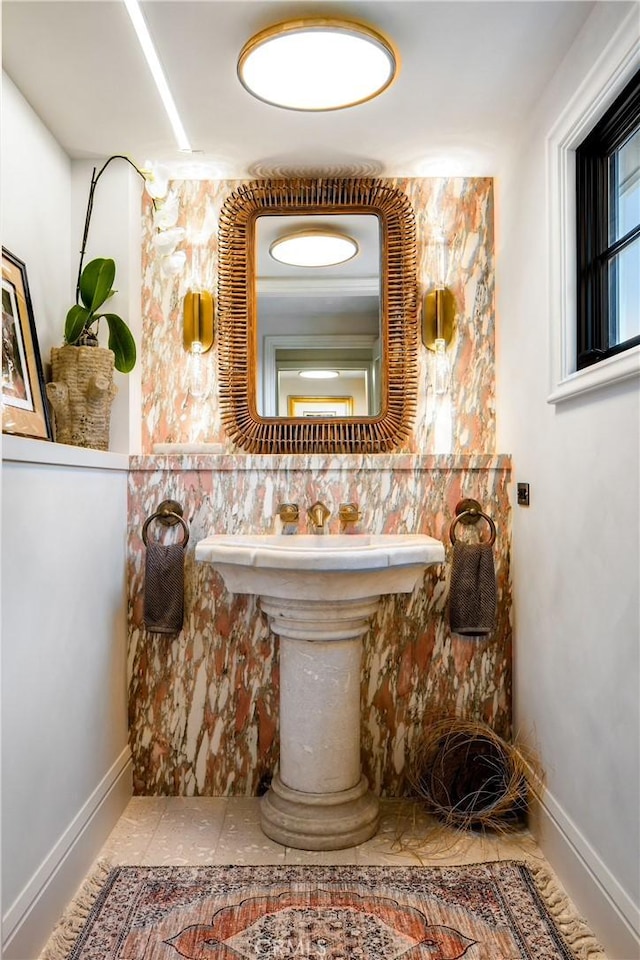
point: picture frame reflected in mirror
(320, 406)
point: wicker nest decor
(469, 777)
(81, 395)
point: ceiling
(470, 72)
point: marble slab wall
(204, 704)
(459, 208)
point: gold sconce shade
(438, 316)
(198, 321)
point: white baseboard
(27, 924)
(607, 907)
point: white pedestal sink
(319, 593)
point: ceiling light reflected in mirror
(317, 64)
(313, 248)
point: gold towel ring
(471, 513)
(168, 513)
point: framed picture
(24, 406)
(320, 406)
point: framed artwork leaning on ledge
(24, 404)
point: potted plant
(96, 287)
(83, 390)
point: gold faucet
(349, 515)
(317, 514)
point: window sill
(25, 450)
(623, 366)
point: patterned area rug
(487, 911)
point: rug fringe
(65, 934)
(572, 927)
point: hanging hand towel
(164, 588)
(472, 590)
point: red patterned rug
(487, 911)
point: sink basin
(319, 593)
(347, 566)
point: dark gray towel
(472, 590)
(164, 588)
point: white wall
(44, 202)
(64, 716)
(114, 232)
(575, 549)
(36, 212)
(65, 758)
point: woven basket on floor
(81, 395)
(468, 776)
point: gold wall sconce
(197, 339)
(438, 316)
(198, 322)
(439, 313)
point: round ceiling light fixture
(319, 374)
(313, 248)
(317, 64)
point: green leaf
(121, 342)
(77, 318)
(96, 282)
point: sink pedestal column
(320, 594)
(319, 799)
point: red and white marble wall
(203, 706)
(460, 209)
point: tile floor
(226, 830)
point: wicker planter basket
(81, 395)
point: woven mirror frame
(237, 322)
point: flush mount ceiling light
(317, 64)
(313, 248)
(319, 374)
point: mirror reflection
(318, 328)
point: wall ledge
(408, 462)
(25, 450)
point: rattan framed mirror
(238, 328)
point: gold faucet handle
(289, 512)
(349, 513)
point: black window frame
(593, 205)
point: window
(608, 231)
